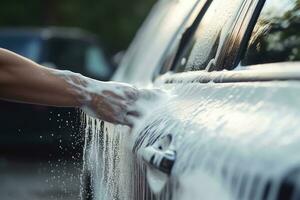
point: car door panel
(209, 135)
(216, 134)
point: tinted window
(79, 56)
(26, 46)
(202, 49)
(152, 41)
(276, 35)
(95, 62)
(67, 54)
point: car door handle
(160, 160)
(160, 156)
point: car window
(79, 56)
(95, 62)
(67, 54)
(29, 47)
(276, 35)
(147, 51)
(200, 52)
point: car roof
(49, 32)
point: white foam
(225, 135)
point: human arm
(22, 80)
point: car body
(32, 127)
(227, 125)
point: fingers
(130, 121)
(132, 94)
(134, 113)
(127, 93)
(110, 94)
(116, 105)
(124, 114)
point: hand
(111, 101)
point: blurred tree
(114, 21)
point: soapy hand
(22, 80)
(109, 101)
(113, 102)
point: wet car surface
(227, 124)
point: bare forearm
(25, 81)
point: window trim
(220, 58)
(279, 71)
(177, 39)
(284, 71)
(187, 36)
(238, 40)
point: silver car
(225, 124)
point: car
(41, 129)
(226, 122)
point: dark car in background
(32, 127)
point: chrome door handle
(160, 155)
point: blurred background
(41, 147)
(115, 22)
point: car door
(175, 145)
(136, 186)
(229, 134)
(215, 134)
(103, 143)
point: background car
(39, 129)
(227, 127)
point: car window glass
(29, 47)
(202, 49)
(67, 54)
(95, 62)
(151, 42)
(276, 35)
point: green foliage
(115, 21)
(276, 36)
